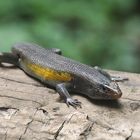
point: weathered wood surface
(29, 110)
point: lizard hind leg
(8, 58)
(55, 50)
(112, 78)
(119, 79)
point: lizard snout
(113, 90)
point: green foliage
(104, 32)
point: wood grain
(31, 111)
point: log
(31, 111)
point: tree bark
(31, 111)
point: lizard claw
(73, 102)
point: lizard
(63, 74)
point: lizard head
(97, 89)
(104, 91)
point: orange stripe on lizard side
(48, 74)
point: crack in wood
(62, 125)
(100, 123)
(7, 108)
(58, 131)
(127, 138)
(7, 89)
(5, 135)
(87, 130)
(21, 82)
(21, 99)
(43, 110)
(28, 124)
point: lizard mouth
(114, 91)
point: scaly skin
(63, 73)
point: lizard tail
(8, 58)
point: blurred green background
(102, 32)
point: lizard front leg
(64, 94)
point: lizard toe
(73, 102)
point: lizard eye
(104, 88)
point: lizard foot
(73, 102)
